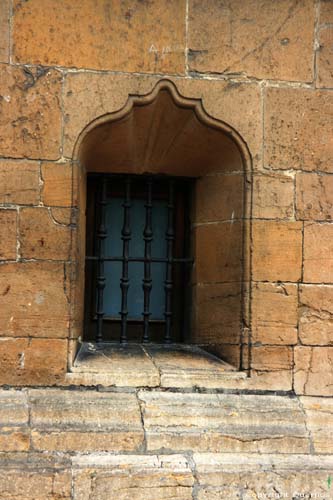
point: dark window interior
(138, 260)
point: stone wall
(266, 71)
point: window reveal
(137, 264)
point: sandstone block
(273, 196)
(34, 300)
(326, 12)
(252, 39)
(223, 422)
(4, 30)
(316, 315)
(133, 476)
(8, 234)
(87, 421)
(318, 253)
(32, 361)
(319, 417)
(19, 182)
(313, 371)
(271, 358)
(14, 431)
(112, 35)
(325, 57)
(314, 196)
(299, 129)
(57, 185)
(277, 251)
(218, 251)
(274, 313)
(219, 198)
(41, 237)
(30, 123)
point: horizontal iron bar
(140, 259)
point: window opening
(138, 258)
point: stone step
(203, 476)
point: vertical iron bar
(168, 284)
(147, 280)
(124, 281)
(101, 236)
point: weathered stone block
(299, 129)
(253, 39)
(273, 196)
(218, 252)
(34, 300)
(314, 371)
(223, 422)
(274, 313)
(32, 361)
(41, 237)
(8, 234)
(316, 315)
(30, 119)
(111, 35)
(4, 30)
(19, 182)
(133, 476)
(86, 421)
(319, 418)
(14, 416)
(326, 11)
(325, 57)
(277, 251)
(57, 185)
(314, 196)
(271, 358)
(318, 253)
(219, 198)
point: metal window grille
(146, 219)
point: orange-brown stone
(57, 184)
(8, 234)
(277, 251)
(273, 196)
(316, 315)
(318, 253)
(253, 39)
(314, 196)
(124, 36)
(325, 57)
(299, 129)
(313, 375)
(19, 182)
(41, 237)
(30, 114)
(4, 30)
(34, 301)
(274, 313)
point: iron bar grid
(101, 281)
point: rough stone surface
(273, 196)
(87, 421)
(318, 253)
(8, 234)
(319, 415)
(4, 30)
(274, 313)
(41, 237)
(299, 129)
(14, 416)
(32, 361)
(313, 371)
(314, 196)
(316, 315)
(325, 57)
(217, 422)
(34, 301)
(30, 123)
(57, 184)
(218, 251)
(277, 251)
(19, 182)
(126, 36)
(133, 476)
(250, 38)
